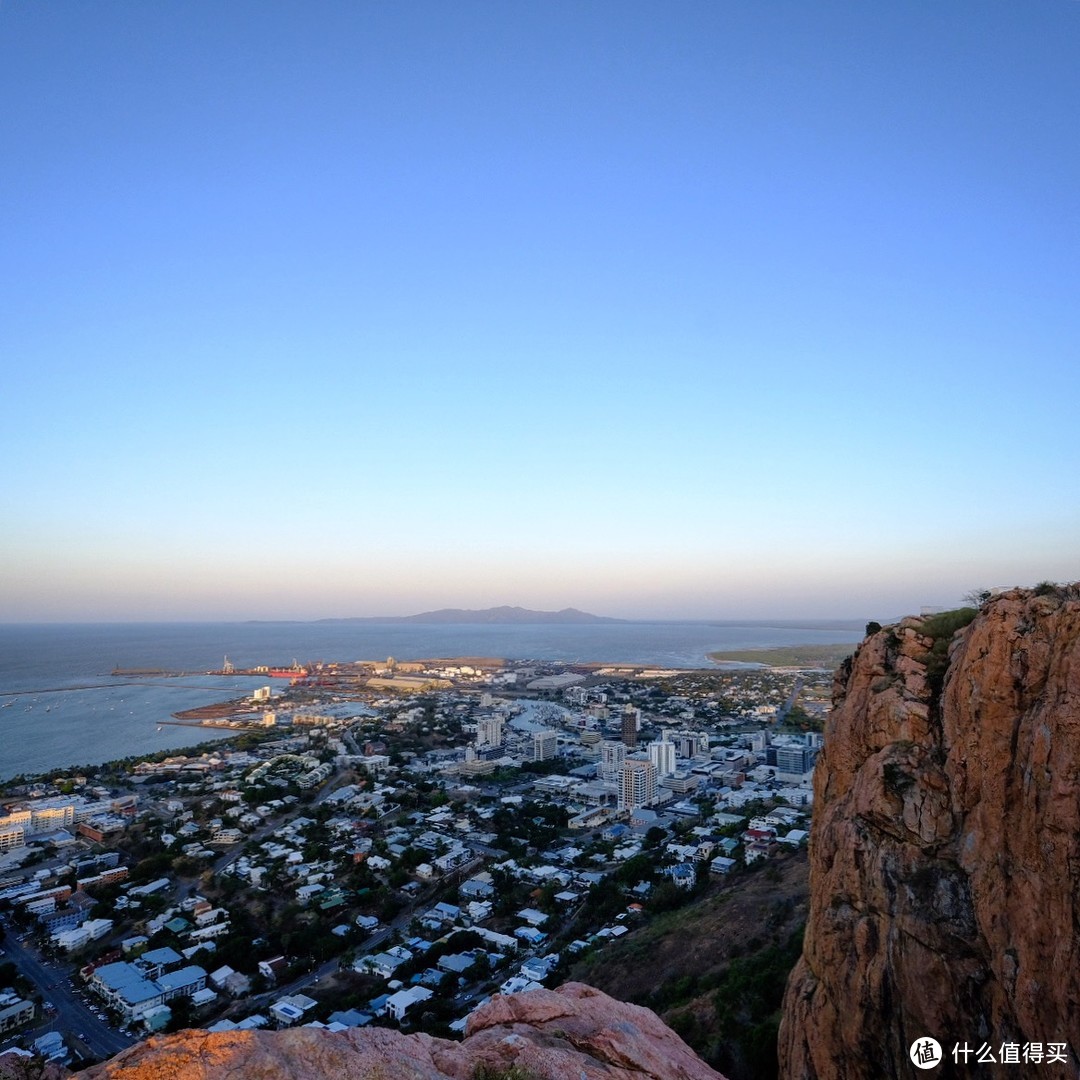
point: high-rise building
(545, 745)
(637, 785)
(612, 756)
(687, 745)
(794, 760)
(489, 730)
(662, 755)
(630, 720)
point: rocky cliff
(573, 1033)
(945, 851)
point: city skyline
(710, 312)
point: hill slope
(715, 970)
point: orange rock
(572, 1033)
(945, 850)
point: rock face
(573, 1033)
(945, 850)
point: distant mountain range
(486, 616)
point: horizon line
(607, 620)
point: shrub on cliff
(941, 628)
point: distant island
(494, 615)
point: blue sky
(702, 309)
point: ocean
(60, 705)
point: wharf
(237, 707)
(238, 723)
(146, 672)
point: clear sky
(708, 308)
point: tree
(655, 836)
(182, 1009)
(152, 867)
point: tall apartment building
(612, 756)
(662, 756)
(630, 721)
(545, 745)
(489, 731)
(637, 785)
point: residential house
(683, 874)
(397, 1005)
(385, 963)
(456, 963)
(290, 1009)
(271, 969)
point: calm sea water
(60, 706)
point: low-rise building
(291, 1009)
(397, 1005)
(385, 963)
(14, 1011)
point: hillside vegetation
(795, 656)
(715, 970)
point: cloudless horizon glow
(710, 310)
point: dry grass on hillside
(715, 969)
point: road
(786, 707)
(79, 1026)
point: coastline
(86, 715)
(808, 657)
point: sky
(702, 309)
